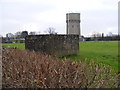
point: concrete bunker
(56, 45)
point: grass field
(18, 45)
(105, 52)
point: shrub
(30, 69)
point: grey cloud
(23, 11)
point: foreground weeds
(29, 69)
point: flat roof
(73, 13)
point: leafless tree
(32, 33)
(9, 35)
(51, 30)
(18, 34)
(96, 34)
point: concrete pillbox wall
(56, 45)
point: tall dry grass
(29, 69)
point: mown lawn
(18, 45)
(105, 52)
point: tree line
(23, 34)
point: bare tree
(18, 34)
(51, 30)
(96, 34)
(110, 34)
(10, 35)
(32, 33)
(38, 33)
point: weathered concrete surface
(73, 23)
(56, 45)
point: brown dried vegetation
(29, 69)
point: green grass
(105, 52)
(18, 45)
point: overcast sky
(38, 15)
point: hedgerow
(30, 69)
